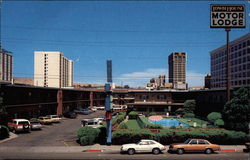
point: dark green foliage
(102, 137)
(122, 137)
(152, 113)
(177, 136)
(133, 115)
(123, 125)
(188, 115)
(119, 118)
(4, 132)
(144, 123)
(87, 135)
(190, 105)
(236, 113)
(213, 116)
(219, 122)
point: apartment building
(239, 64)
(177, 69)
(6, 62)
(52, 69)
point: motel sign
(227, 16)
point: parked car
(19, 125)
(71, 114)
(194, 145)
(82, 111)
(55, 118)
(143, 146)
(35, 125)
(45, 120)
(95, 123)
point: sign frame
(227, 6)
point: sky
(138, 36)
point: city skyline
(137, 36)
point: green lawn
(133, 124)
(191, 121)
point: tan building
(177, 70)
(239, 64)
(52, 69)
(25, 81)
(6, 63)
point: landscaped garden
(130, 128)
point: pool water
(170, 123)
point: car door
(191, 147)
(143, 147)
(202, 145)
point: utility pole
(109, 102)
(228, 66)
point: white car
(55, 118)
(143, 145)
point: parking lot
(56, 134)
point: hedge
(119, 118)
(4, 132)
(133, 115)
(171, 136)
(87, 135)
(144, 123)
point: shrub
(133, 115)
(123, 125)
(87, 135)
(219, 122)
(34, 119)
(4, 132)
(213, 116)
(152, 113)
(119, 118)
(188, 115)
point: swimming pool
(170, 123)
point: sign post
(227, 16)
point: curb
(92, 150)
(227, 150)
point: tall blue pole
(109, 102)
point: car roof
(147, 140)
(20, 120)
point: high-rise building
(6, 63)
(52, 69)
(177, 69)
(239, 64)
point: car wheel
(14, 131)
(208, 151)
(156, 151)
(131, 151)
(180, 151)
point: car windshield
(187, 141)
(54, 116)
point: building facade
(6, 68)
(177, 70)
(52, 69)
(239, 64)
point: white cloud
(135, 79)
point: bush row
(87, 135)
(170, 136)
(144, 123)
(119, 118)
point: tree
(126, 86)
(213, 116)
(236, 112)
(190, 105)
